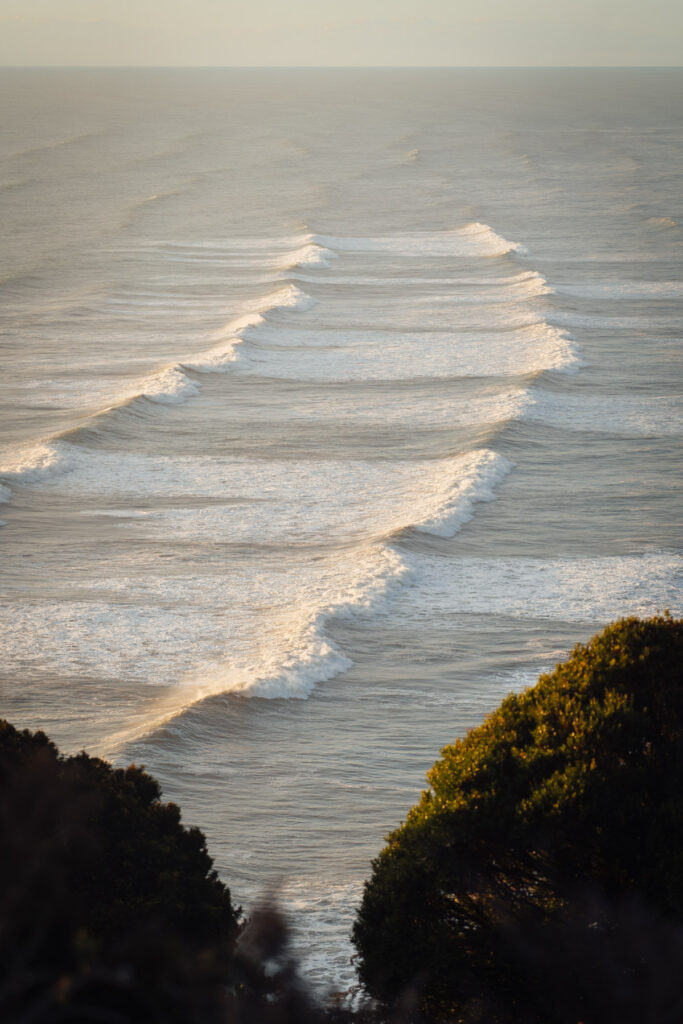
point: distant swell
(495, 243)
(306, 654)
(171, 385)
(473, 239)
(310, 255)
(437, 498)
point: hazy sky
(342, 32)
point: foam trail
(474, 239)
(301, 652)
(620, 291)
(530, 287)
(220, 356)
(473, 480)
(511, 348)
(492, 283)
(370, 586)
(583, 589)
(170, 385)
(310, 255)
(659, 416)
(494, 243)
(32, 465)
(304, 656)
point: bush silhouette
(111, 912)
(550, 839)
(106, 900)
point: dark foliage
(540, 878)
(109, 908)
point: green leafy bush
(557, 825)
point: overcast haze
(330, 32)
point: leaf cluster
(574, 785)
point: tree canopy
(103, 888)
(555, 825)
(111, 911)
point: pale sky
(341, 32)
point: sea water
(336, 406)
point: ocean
(336, 405)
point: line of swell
(310, 656)
(450, 492)
(473, 239)
(170, 385)
(448, 501)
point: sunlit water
(336, 406)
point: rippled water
(336, 405)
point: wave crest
(494, 243)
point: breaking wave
(171, 385)
(473, 239)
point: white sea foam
(624, 289)
(583, 590)
(323, 915)
(473, 480)
(310, 255)
(482, 284)
(473, 240)
(390, 354)
(148, 627)
(387, 406)
(284, 501)
(34, 465)
(170, 386)
(288, 298)
(493, 243)
(629, 414)
(160, 630)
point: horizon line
(342, 67)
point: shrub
(554, 826)
(106, 900)
(110, 910)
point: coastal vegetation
(539, 880)
(540, 876)
(106, 899)
(111, 910)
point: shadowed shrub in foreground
(540, 877)
(110, 910)
(106, 900)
